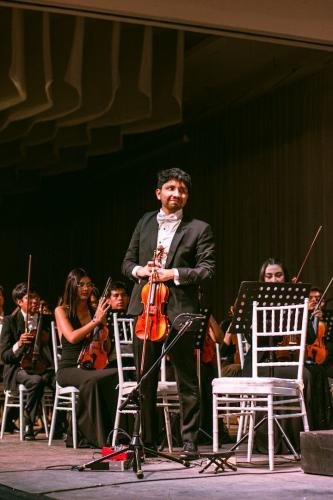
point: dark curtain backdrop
(262, 176)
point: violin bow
(321, 298)
(308, 253)
(150, 281)
(107, 287)
(28, 293)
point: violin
(153, 324)
(94, 354)
(34, 360)
(317, 352)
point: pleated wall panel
(71, 87)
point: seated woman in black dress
(315, 384)
(76, 320)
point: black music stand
(267, 295)
(182, 323)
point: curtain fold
(79, 84)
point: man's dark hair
(2, 290)
(173, 173)
(316, 289)
(21, 290)
(118, 285)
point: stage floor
(33, 469)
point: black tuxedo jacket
(192, 252)
(13, 327)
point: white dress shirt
(168, 225)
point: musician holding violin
(317, 351)
(84, 360)
(170, 249)
(315, 382)
(321, 350)
(25, 351)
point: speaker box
(317, 452)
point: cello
(94, 354)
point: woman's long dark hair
(69, 296)
(272, 261)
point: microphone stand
(135, 449)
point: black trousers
(183, 359)
(35, 385)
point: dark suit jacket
(13, 327)
(192, 252)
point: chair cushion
(251, 385)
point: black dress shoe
(11, 427)
(29, 434)
(226, 438)
(190, 451)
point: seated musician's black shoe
(190, 451)
(225, 437)
(29, 434)
(59, 434)
(11, 427)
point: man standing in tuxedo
(188, 260)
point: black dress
(98, 394)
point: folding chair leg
(287, 440)
(251, 436)
(74, 425)
(215, 426)
(168, 428)
(4, 415)
(270, 432)
(304, 414)
(116, 426)
(53, 420)
(22, 419)
(45, 420)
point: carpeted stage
(35, 470)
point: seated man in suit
(118, 301)
(27, 361)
